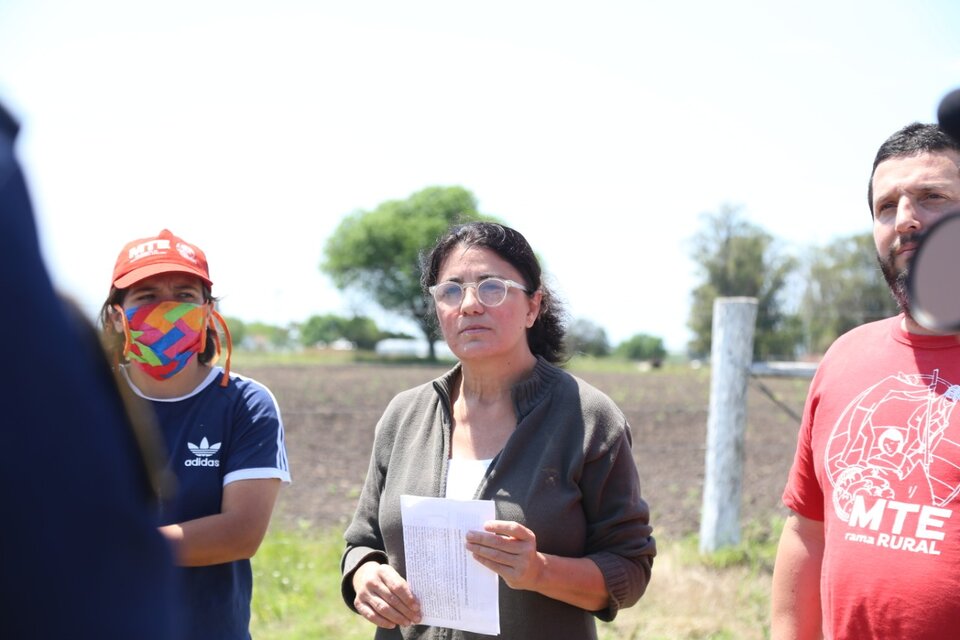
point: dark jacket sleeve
(82, 554)
(364, 540)
(619, 536)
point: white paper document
(454, 590)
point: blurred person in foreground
(82, 557)
(872, 546)
(572, 540)
(223, 431)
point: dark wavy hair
(546, 337)
(911, 140)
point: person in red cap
(223, 432)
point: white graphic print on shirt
(893, 459)
(202, 453)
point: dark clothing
(81, 554)
(216, 435)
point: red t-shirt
(878, 461)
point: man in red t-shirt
(871, 548)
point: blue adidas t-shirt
(214, 436)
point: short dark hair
(546, 337)
(911, 140)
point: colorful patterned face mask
(161, 337)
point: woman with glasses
(571, 540)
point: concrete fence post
(731, 355)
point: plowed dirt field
(330, 412)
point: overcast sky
(601, 130)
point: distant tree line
(325, 330)
(804, 302)
(584, 337)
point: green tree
(363, 332)
(585, 337)
(359, 330)
(738, 258)
(377, 252)
(321, 329)
(844, 289)
(642, 346)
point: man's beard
(896, 280)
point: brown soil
(330, 412)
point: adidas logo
(202, 453)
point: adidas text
(201, 462)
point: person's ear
(115, 318)
(535, 302)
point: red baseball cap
(164, 253)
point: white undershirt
(464, 476)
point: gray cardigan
(567, 472)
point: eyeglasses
(491, 292)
